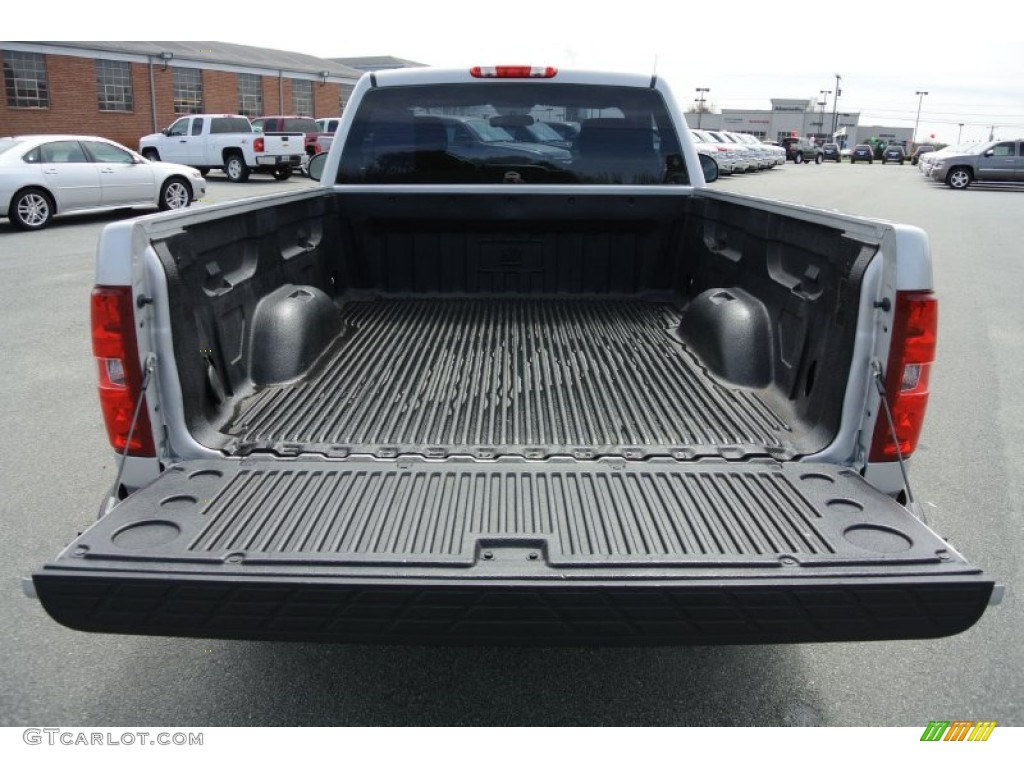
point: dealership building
(125, 90)
(803, 117)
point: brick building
(125, 90)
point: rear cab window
(230, 125)
(499, 132)
(299, 125)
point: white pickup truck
(226, 141)
(461, 397)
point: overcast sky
(970, 62)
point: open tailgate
(602, 552)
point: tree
(706, 108)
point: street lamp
(835, 104)
(920, 98)
(700, 103)
(822, 103)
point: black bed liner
(549, 552)
(498, 376)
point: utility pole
(700, 104)
(822, 103)
(835, 105)
(959, 132)
(920, 98)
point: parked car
(928, 159)
(893, 154)
(46, 175)
(720, 155)
(831, 152)
(328, 124)
(989, 161)
(568, 131)
(316, 140)
(228, 142)
(920, 150)
(862, 152)
(727, 155)
(779, 153)
(763, 157)
(801, 150)
(530, 131)
(481, 139)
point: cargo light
(257, 144)
(513, 71)
(120, 374)
(911, 354)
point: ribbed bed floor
(496, 376)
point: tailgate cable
(27, 584)
(150, 366)
(915, 509)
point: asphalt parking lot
(56, 466)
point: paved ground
(55, 466)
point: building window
(302, 97)
(114, 86)
(188, 91)
(250, 95)
(25, 78)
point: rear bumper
(275, 161)
(702, 611)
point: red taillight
(911, 354)
(257, 144)
(513, 71)
(120, 375)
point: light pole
(920, 98)
(835, 105)
(700, 104)
(822, 103)
(959, 132)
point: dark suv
(801, 150)
(831, 152)
(921, 149)
(862, 152)
(893, 154)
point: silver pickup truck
(991, 161)
(549, 399)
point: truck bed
(490, 326)
(499, 376)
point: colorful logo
(958, 730)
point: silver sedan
(45, 175)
